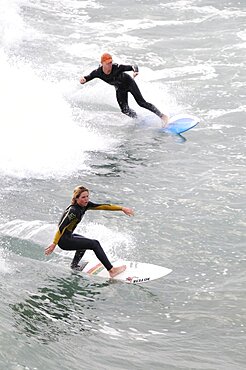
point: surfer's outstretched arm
(109, 207)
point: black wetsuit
(67, 240)
(123, 84)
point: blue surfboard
(180, 123)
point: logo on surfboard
(135, 279)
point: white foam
(39, 135)
(78, 4)
(4, 265)
(203, 71)
(83, 50)
(115, 243)
(13, 29)
(36, 231)
(242, 35)
(206, 10)
(214, 113)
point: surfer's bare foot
(165, 120)
(116, 270)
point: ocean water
(188, 193)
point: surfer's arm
(110, 207)
(58, 236)
(89, 77)
(68, 221)
(52, 246)
(126, 68)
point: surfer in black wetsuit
(113, 74)
(68, 240)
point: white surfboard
(135, 273)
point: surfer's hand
(82, 80)
(135, 74)
(127, 211)
(49, 249)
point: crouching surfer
(68, 240)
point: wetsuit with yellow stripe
(68, 240)
(123, 84)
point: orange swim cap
(106, 57)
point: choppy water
(188, 196)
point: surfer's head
(106, 58)
(106, 61)
(80, 195)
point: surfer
(68, 240)
(113, 74)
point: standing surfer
(114, 74)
